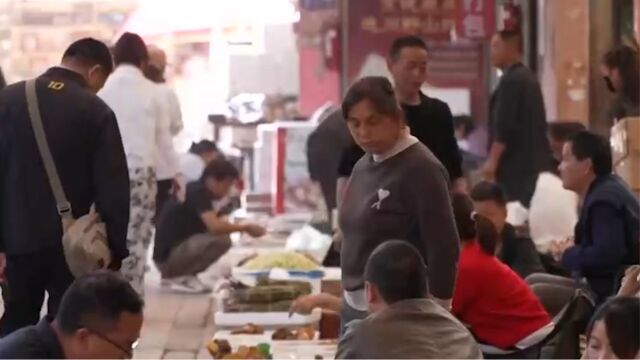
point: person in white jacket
(167, 169)
(145, 129)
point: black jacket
(87, 148)
(432, 123)
(325, 147)
(32, 342)
(519, 253)
(518, 120)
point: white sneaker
(184, 285)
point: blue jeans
(348, 314)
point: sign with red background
(374, 24)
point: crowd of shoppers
(427, 271)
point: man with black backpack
(59, 142)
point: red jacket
(497, 305)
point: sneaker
(184, 285)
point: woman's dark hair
(130, 49)
(220, 170)
(472, 225)
(626, 60)
(379, 91)
(621, 316)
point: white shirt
(553, 212)
(144, 125)
(168, 165)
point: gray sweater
(405, 197)
(409, 329)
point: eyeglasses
(128, 352)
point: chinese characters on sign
(427, 17)
(475, 18)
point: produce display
(249, 329)
(220, 349)
(284, 260)
(266, 296)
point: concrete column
(565, 70)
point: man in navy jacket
(607, 235)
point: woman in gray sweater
(398, 190)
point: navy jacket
(607, 235)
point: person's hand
(3, 266)
(459, 186)
(304, 305)
(558, 247)
(630, 282)
(489, 171)
(254, 230)
(337, 240)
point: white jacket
(168, 163)
(142, 118)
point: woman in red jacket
(492, 300)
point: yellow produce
(286, 260)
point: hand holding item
(254, 230)
(630, 282)
(303, 305)
(557, 248)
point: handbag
(84, 240)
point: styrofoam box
(266, 318)
(253, 340)
(283, 349)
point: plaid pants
(143, 189)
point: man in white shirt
(166, 170)
(145, 129)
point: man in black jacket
(519, 148)
(430, 119)
(87, 149)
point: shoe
(183, 285)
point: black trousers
(163, 194)
(28, 277)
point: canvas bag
(84, 240)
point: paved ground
(175, 326)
